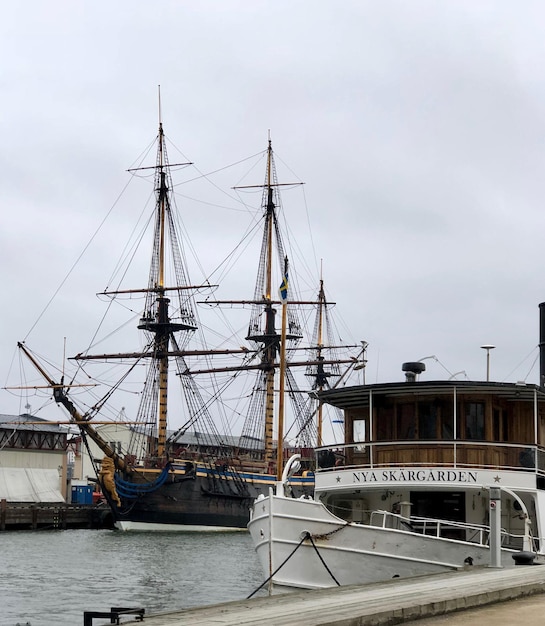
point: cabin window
(406, 421)
(384, 423)
(500, 424)
(427, 420)
(358, 430)
(474, 421)
(423, 419)
(447, 423)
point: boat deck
(392, 602)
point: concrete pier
(392, 602)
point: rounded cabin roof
(359, 395)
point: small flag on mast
(283, 291)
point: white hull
(348, 553)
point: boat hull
(336, 552)
(202, 499)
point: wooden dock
(36, 516)
(392, 602)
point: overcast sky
(418, 128)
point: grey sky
(418, 129)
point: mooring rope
(321, 559)
(278, 568)
(307, 535)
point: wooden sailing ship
(158, 481)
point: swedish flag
(283, 291)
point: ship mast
(169, 321)
(262, 328)
(324, 362)
(280, 445)
(317, 370)
(271, 347)
(156, 319)
(320, 375)
(162, 308)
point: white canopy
(19, 484)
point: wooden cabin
(442, 423)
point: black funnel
(413, 368)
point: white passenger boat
(409, 491)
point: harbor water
(49, 578)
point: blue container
(82, 494)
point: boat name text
(415, 476)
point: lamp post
(488, 347)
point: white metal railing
(364, 455)
(433, 527)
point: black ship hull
(200, 498)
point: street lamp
(488, 347)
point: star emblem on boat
(338, 479)
(497, 479)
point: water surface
(49, 578)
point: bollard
(524, 558)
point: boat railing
(432, 453)
(446, 529)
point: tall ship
(433, 476)
(199, 476)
